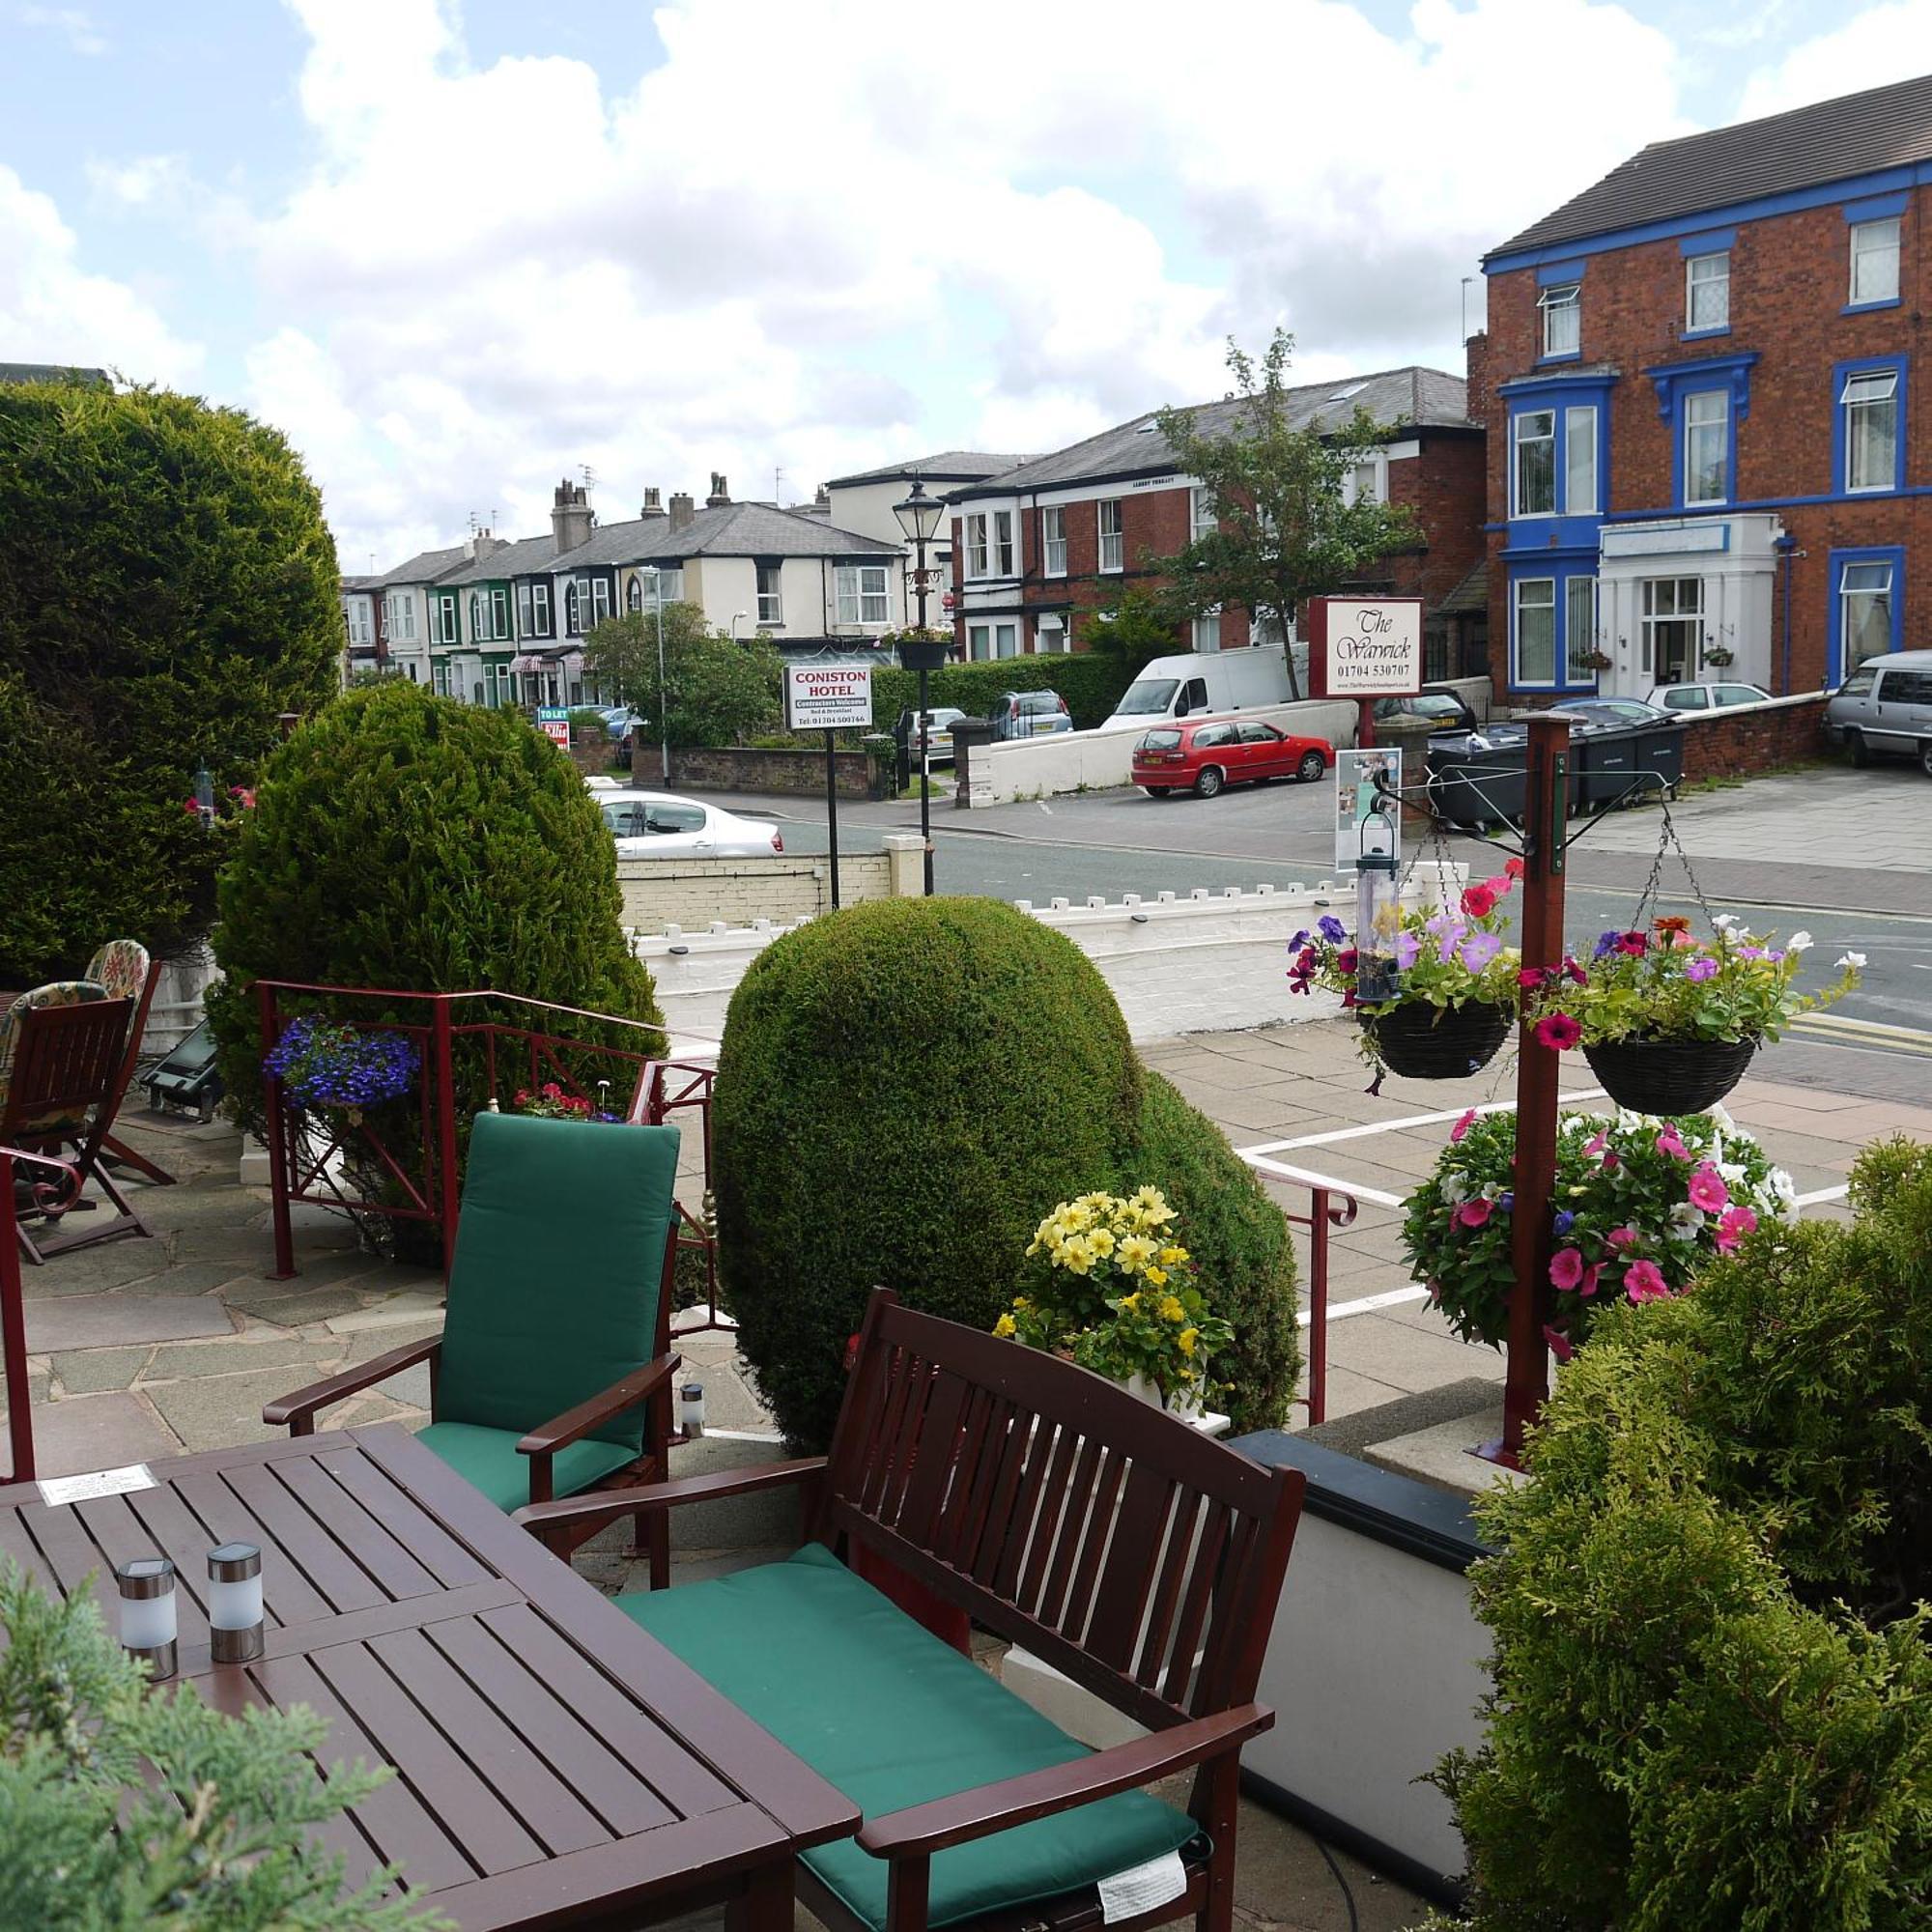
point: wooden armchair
(1109, 1538)
(552, 1372)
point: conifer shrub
(405, 841)
(1714, 1688)
(906, 1087)
(167, 588)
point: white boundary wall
(1178, 963)
(1025, 768)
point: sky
(457, 250)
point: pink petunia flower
(1737, 1223)
(1573, 970)
(1499, 885)
(1589, 1286)
(1633, 944)
(1643, 1281)
(1530, 977)
(1708, 1191)
(1475, 1214)
(1558, 1030)
(1560, 1344)
(1463, 1126)
(1478, 901)
(1513, 868)
(1671, 1142)
(1621, 1238)
(1566, 1268)
(1598, 1142)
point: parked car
(1706, 697)
(1442, 710)
(620, 720)
(1884, 710)
(1617, 711)
(1205, 757)
(659, 825)
(939, 728)
(1028, 714)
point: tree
(717, 691)
(1141, 625)
(1284, 532)
(167, 588)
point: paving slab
(98, 1432)
(94, 1270)
(288, 1305)
(220, 1412)
(408, 1308)
(103, 1321)
(1439, 1455)
(180, 1361)
(84, 1371)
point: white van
(1210, 683)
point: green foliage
(405, 841)
(1091, 684)
(125, 1807)
(906, 1087)
(588, 726)
(716, 692)
(1140, 625)
(167, 588)
(1713, 1693)
(1284, 534)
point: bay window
(1534, 433)
(1579, 462)
(1535, 631)
(1579, 627)
(1707, 436)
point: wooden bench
(1118, 1545)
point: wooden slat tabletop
(556, 1765)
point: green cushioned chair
(553, 1374)
(893, 1717)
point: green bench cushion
(892, 1717)
(487, 1460)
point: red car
(1207, 756)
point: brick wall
(1789, 282)
(752, 770)
(1445, 486)
(1753, 738)
(695, 893)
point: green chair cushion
(559, 1261)
(487, 1460)
(892, 1717)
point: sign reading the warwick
(1364, 647)
(828, 697)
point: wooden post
(1546, 801)
(832, 814)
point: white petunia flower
(1454, 1191)
(1798, 941)
(1851, 959)
(1686, 1220)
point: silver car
(1707, 696)
(1884, 710)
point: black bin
(1477, 778)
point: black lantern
(919, 514)
(919, 518)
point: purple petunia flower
(1299, 940)
(1563, 1221)
(1606, 944)
(1701, 969)
(1407, 948)
(1331, 928)
(1479, 949)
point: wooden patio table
(556, 1765)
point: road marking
(1341, 1311)
(1334, 1134)
(1849, 1023)
(1280, 1170)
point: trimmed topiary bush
(1714, 1690)
(167, 588)
(402, 839)
(906, 1087)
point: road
(1877, 1042)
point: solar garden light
(234, 1603)
(691, 1408)
(204, 796)
(147, 1588)
(1377, 908)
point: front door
(1673, 627)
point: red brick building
(1050, 542)
(1696, 380)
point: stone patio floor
(145, 1348)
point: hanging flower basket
(1424, 1042)
(1669, 1076)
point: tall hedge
(1092, 682)
(905, 1089)
(1713, 1692)
(167, 588)
(402, 839)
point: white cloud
(1881, 44)
(811, 238)
(53, 310)
(75, 25)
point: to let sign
(828, 697)
(1364, 647)
(555, 724)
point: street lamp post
(664, 727)
(919, 518)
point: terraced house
(1697, 378)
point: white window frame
(1376, 463)
(1114, 541)
(600, 600)
(1580, 502)
(445, 618)
(634, 594)
(573, 608)
(1562, 307)
(1053, 624)
(1205, 633)
(1871, 245)
(984, 639)
(401, 610)
(771, 603)
(977, 555)
(1518, 604)
(1517, 439)
(1847, 630)
(1716, 279)
(500, 610)
(1575, 649)
(1201, 521)
(355, 619)
(855, 601)
(978, 644)
(1053, 540)
(1851, 404)
(1648, 616)
(1002, 544)
(1719, 423)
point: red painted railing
(1328, 1208)
(56, 1194)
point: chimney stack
(682, 509)
(653, 506)
(570, 517)
(720, 495)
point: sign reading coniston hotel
(828, 697)
(1364, 647)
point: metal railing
(54, 1196)
(1328, 1209)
